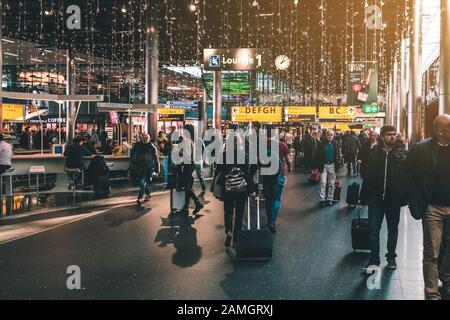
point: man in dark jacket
(144, 162)
(308, 149)
(74, 154)
(363, 155)
(352, 146)
(429, 168)
(328, 162)
(386, 189)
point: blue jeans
(273, 194)
(199, 172)
(144, 183)
(377, 210)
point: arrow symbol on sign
(235, 110)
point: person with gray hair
(328, 162)
(429, 170)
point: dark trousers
(234, 205)
(351, 162)
(188, 179)
(377, 210)
(273, 195)
(3, 168)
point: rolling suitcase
(353, 194)
(360, 234)
(254, 244)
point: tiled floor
(125, 253)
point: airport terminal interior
(225, 150)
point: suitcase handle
(258, 218)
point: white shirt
(5, 154)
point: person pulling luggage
(237, 186)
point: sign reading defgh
(265, 114)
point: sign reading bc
(336, 114)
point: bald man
(429, 167)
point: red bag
(315, 177)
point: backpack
(235, 181)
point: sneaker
(272, 228)
(140, 201)
(228, 240)
(147, 198)
(198, 207)
(392, 265)
(330, 203)
(370, 267)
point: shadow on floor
(128, 213)
(179, 231)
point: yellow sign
(12, 112)
(300, 114)
(169, 114)
(337, 114)
(167, 111)
(263, 114)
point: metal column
(402, 88)
(151, 72)
(444, 63)
(1, 65)
(217, 99)
(70, 90)
(394, 97)
(415, 79)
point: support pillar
(151, 73)
(444, 63)
(415, 79)
(70, 90)
(217, 89)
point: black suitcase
(360, 234)
(353, 194)
(254, 244)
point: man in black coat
(363, 155)
(352, 146)
(308, 149)
(144, 162)
(386, 190)
(429, 168)
(328, 162)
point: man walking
(363, 155)
(328, 162)
(144, 162)
(385, 187)
(429, 168)
(352, 146)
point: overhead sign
(264, 114)
(168, 114)
(300, 114)
(244, 59)
(183, 104)
(362, 83)
(371, 108)
(336, 114)
(360, 114)
(13, 112)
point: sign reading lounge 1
(265, 114)
(243, 59)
